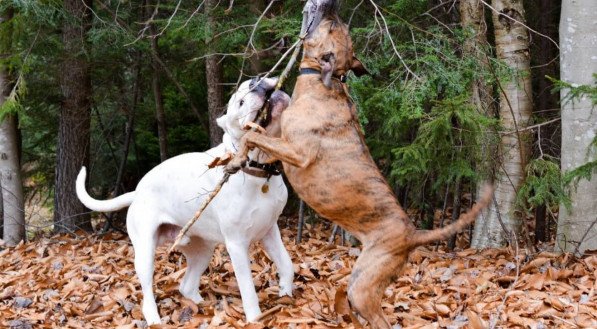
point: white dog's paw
(195, 297)
(153, 320)
(150, 312)
(252, 315)
(285, 290)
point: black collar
(307, 70)
(268, 170)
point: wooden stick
(204, 205)
(262, 114)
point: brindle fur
(329, 165)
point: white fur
(241, 213)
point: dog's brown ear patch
(357, 67)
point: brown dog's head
(327, 46)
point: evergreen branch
(159, 61)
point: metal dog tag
(265, 188)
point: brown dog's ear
(357, 67)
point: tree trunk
(456, 205)
(74, 122)
(156, 87)
(578, 48)
(512, 46)
(213, 71)
(11, 187)
(473, 18)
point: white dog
(245, 210)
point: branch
(250, 42)
(521, 23)
(159, 61)
(377, 11)
(169, 19)
(539, 125)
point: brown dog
(328, 164)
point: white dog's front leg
(272, 243)
(242, 269)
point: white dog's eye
(242, 102)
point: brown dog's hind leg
(374, 270)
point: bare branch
(192, 15)
(530, 127)
(169, 19)
(521, 23)
(377, 11)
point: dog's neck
(308, 81)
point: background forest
(460, 92)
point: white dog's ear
(221, 121)
(270, 83)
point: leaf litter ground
(73, 282)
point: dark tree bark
(455, 212)
(74, 122)
(545, 19)
(156, 87)
(213, 71)
(540, 224)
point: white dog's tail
(117, 203)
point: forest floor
(89, 282)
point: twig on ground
(584, 236)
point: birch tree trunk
(472, 16)
(75, 118)
(512, 46)
(213, 71)
(10, 176)
(578, 62)
(11, 187)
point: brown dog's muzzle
(328, 47)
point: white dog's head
(245, 103)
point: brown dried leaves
(90, 283)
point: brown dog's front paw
(255, 127)
(235, 165)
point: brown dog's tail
(425, 237)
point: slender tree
(213, 71)
(10, 173)
(74, 122)
(472, 15)
(576, 225)
(512, 47)
(11, 187)
(156, 86)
